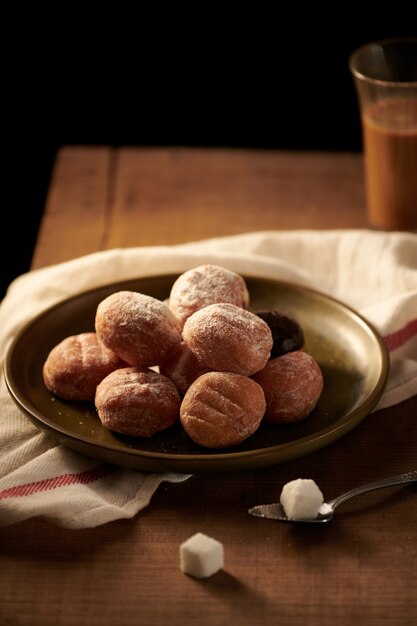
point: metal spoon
(275, 511)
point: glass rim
(378, 81)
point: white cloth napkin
(374, 272)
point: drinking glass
(385, 76)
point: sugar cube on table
(301, 499)
(201, 556)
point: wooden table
(360, 569)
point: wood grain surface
(103, 198)
(359, 569)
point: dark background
(266, 81)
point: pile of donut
(201, 357)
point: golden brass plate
(350, 352)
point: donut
(287, 334)
(139, 328)
(222, 409)
(182, 367)
(75, 366)
(204, 285)
(137, 402)
(227, 338)
(292, 384)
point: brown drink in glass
(386, 79)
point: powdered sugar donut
(222, 409)
(228, 338)
(140, 329)
(204, 285)
(137, 402)
(292, 384)
(182, 367)
(75, 366)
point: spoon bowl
(276, 511)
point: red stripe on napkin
(83, 478)
(400, 337)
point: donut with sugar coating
(76, 365)
(204, 285)
(139, 328)
(228, 338)
(182, 367)
(137, 402)
(292, 384)
(222, 409)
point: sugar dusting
(222, 409)
(140, 328)
(228, 338)
(293, 384)
(76, 365)
(137, 402)
(205, 285)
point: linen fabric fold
(373, 272)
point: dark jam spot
(287, 334)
